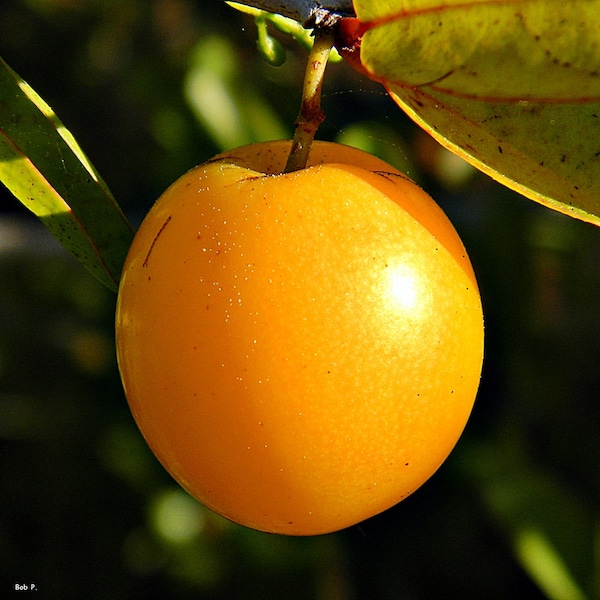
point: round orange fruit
(301, 351)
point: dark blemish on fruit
(145, 263)
(224, 159)
(390, 176)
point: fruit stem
(310, 115)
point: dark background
(85, 509)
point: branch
(307, 12)
(311, 115)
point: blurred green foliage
(150, 89)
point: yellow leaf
(512, 86)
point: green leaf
(231, 109)
(511, 86)
(548, 525)
(44, 167)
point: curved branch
(307, 12)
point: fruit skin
(300, 351)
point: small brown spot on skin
(391, 176)
(145, 263)
(223, 159)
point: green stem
(311, 115)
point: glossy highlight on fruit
(301, 351)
